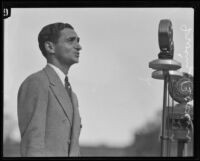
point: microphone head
(165, 39)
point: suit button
(81, 125)
(68, 141)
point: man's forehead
(68, 32)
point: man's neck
(63, 68)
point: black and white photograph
(96, 82)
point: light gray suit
(49, 122)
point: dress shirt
(59, 72)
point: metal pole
(163, 137)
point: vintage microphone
(166, 69)
(165, 66)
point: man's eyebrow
(73, 37)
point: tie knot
(67, 81)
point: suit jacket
(49, 121)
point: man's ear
(49, 46)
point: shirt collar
(60, 74)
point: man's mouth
(77, 55)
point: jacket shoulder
(38, 77)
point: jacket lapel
(60, 92)
(74, 146)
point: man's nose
(78, 47)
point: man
(48, 114)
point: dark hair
(51, 33)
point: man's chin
(75, 62)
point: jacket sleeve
(32, 109)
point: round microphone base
(159, 74)
(165, 64)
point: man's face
(67, 47)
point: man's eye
(71, 39)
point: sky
(112, 80)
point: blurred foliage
(145, 143)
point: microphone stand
(174, 81)
(163, 66)
(163, 71)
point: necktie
(69, 90)
(68, 87)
